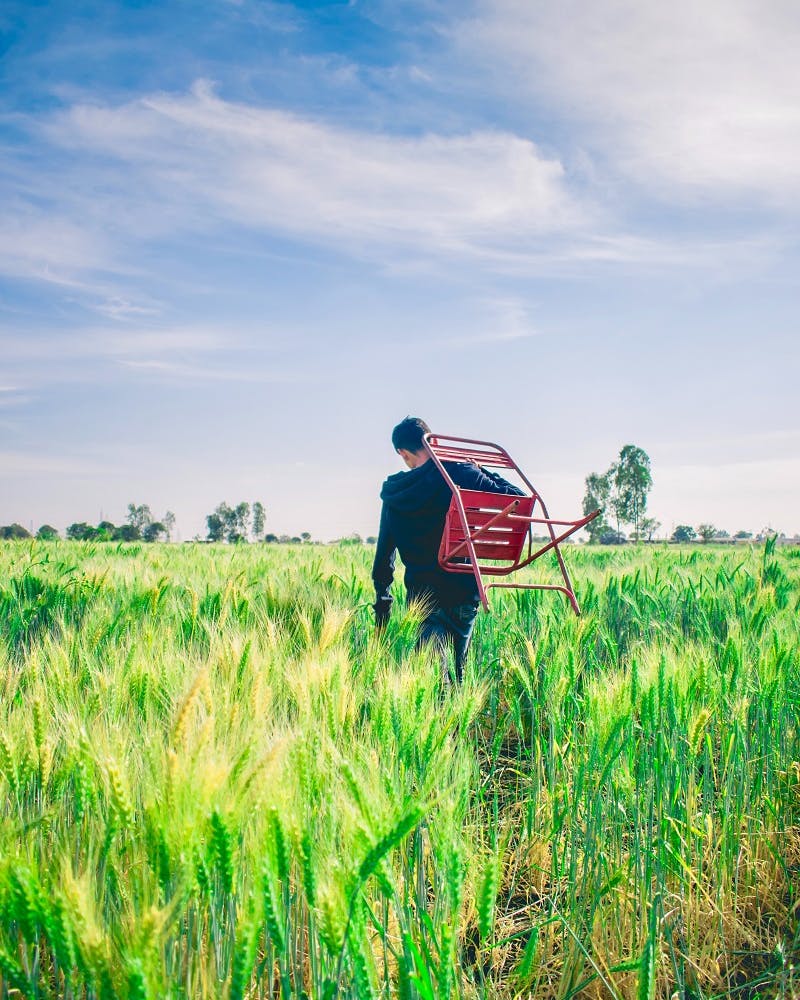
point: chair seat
(502, 541)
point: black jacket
(412, 520)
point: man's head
(407, 440)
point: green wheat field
(216, 781)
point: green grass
(216, 781)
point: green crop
(217, 781)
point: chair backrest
(496, 534)
(502, 541)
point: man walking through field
(412, 520)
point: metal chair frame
(496, 526)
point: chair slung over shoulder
(496, 522)
(491, 534)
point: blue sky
(240, 240)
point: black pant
(445, 625)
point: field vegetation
(215, 781)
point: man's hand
(382, 608)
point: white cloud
(209, 373)
(705, 96)
(88, 355)
(49, 246)
(167, 166)
(169, 340)
(507, 319)
(113, 342)
(118, 307)
(13, 398)
(183, 354)
(207, 158)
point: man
(412, 520)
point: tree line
(236, 524)
(620, 494)
(709, 533)
(245, 522)
(140, 525)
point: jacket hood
(417, 490)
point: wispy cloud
(167, 167)
(505, 319)
(119, 308)
(114, 343)
(49, 246)
(11, 397)
(210, 159)
(265, 14)
(176, 354)
(90, 355)
(6, 402)
(685, 97)
(184, 373)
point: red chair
(495, 526)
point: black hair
(408, 434)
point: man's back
(412, 520)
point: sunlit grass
(216, 780)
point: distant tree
(631, 481)
(621, 491)
(127, 533)
(271, 538)
(228, 515)
(139, 517)
(352, 539)
(154, 532)
(706, 531)
(722, 533)
(596, 497)
(216, 527)
(648, 527)
(305, 536)
(371, 540)
(259, 519)
(229, 523)
(743, 534)
(14, 531)
(614, 506)
(47, 533)
(105, 531)
(168, 520)
(80, 531)
(611, 537)
(239, 523)
(296, 540)
(683, 533)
